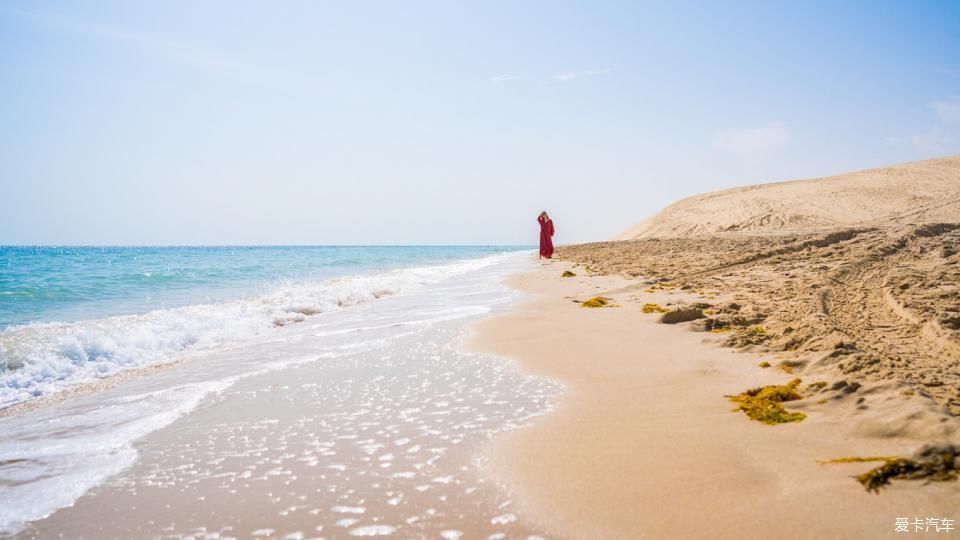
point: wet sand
(644, 444)
(377, 445)
(366, 422)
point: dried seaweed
(654, 308)
(763, 404)
(932, 463)
(598, 302)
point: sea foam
(43, 358)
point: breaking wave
(40, 359)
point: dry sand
(911, 193)
(851, 283)
(875, 305)
(854, 275)
(645, 445)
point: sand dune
(847, 286)
(869, 304)
(854, 276)
(910, 193)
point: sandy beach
(644, 444)
(825, 308)
(615, 426)
(774, 361)
(479, 271)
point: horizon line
(2, 246)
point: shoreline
(89, 388)
(641, 441)
(644, 444)
(371, 431)
(50, 356)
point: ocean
(358, 343)
(70, 315)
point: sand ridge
(910, 193)
(879, 305)
(850, 284)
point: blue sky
(445, 122)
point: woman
(546, 235)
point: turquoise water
(44, 284)
(70, 315)
(278, 360)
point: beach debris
(659, 287)
(933, 463)
(764, 404)
(878, 302)
(855, 459)
(654, 308)
(683, 314)
(748, 335)
(598, 302)
(567, 273)
(764, 364)
(786, 368)
(716, 325)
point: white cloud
(943, 137)
(948, 111)
(935, 141)
(503, 78)
(752, 143)
(571, 75)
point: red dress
(546, 237)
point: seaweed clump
(654, 308)
(764, 404)
(598, 302)
(661, 286)
(567, 273)
(856, 459)
(932, 463)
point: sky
(445, 122)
